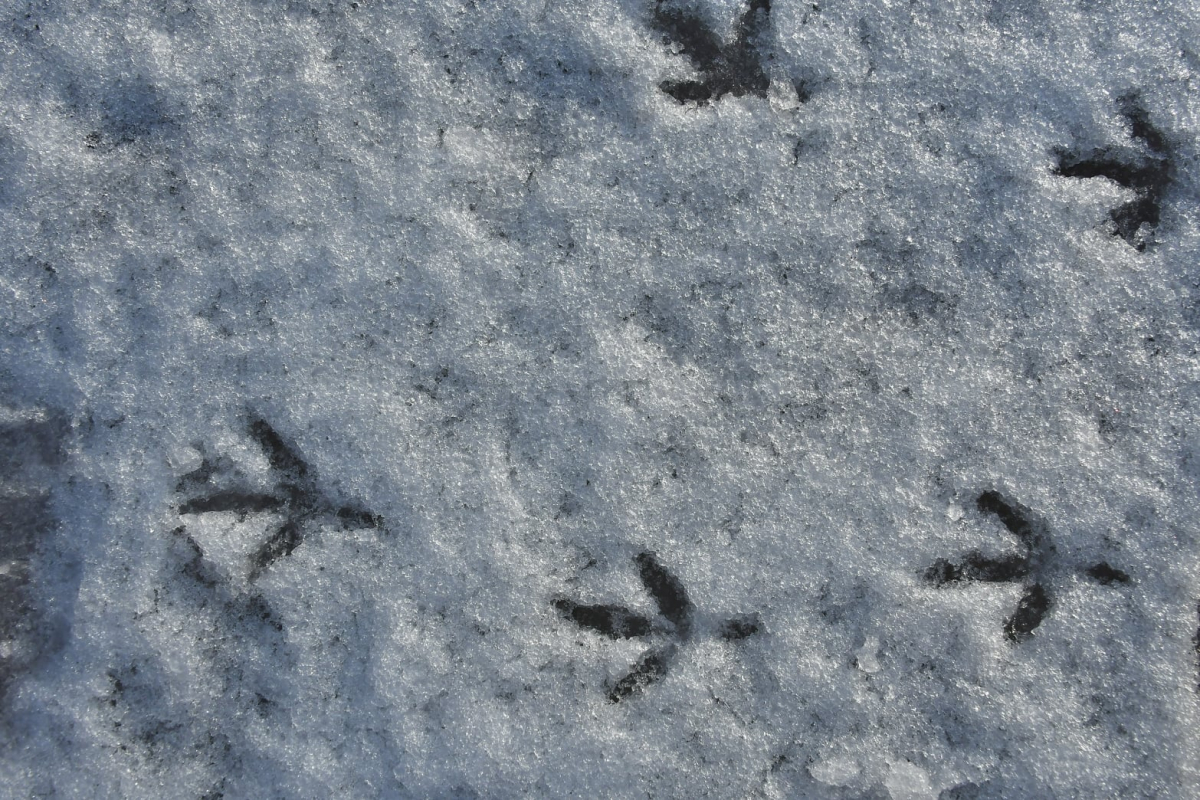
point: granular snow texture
(627, 398)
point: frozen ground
(599, 399)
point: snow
(346, 347)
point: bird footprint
(1037, 567)
(297, 497)
(1147, 171)
(728, 67)
(618, 622)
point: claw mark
(977, 567)
(1016, 519)
(1107, 575)
(618, 622)
(1031, 610)
(728, 68)
(241, 502)
(297, 496)
(739, 627)
(667, 592)
(613, 621)
(651, 667)
(283, 459)
(281, 544)
(1035, 568)
(1147, 173)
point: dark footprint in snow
(31, 457)
(727, 67)
(1146, 170)
(674, 606)
(297, 496)
(1196, 643)
(1037, 568)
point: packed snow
(630, 398)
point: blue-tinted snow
(350, 349)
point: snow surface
(606, 399)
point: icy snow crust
(449, 400)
